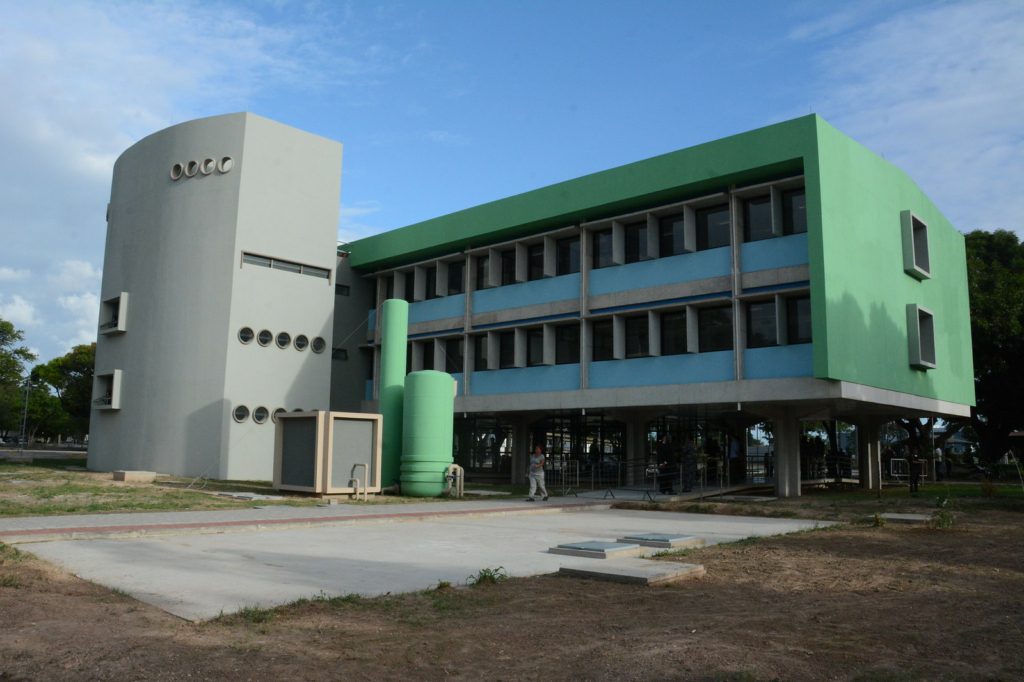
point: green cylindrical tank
(428, 417)
(394, 328)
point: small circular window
(284, 339)
(301, 341)
(260, 414)
(319, 344)
(265, 337)
(277, 413)
(246, 334)
(241, 413)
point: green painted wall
(752, 156)
(859, 305)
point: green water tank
(428, 415)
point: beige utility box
(330, 453)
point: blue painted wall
(527, 293)
(371, 323)
(778, 252)
(667, 369)
(778, 362)
(526, 380)
(437, 308)
(685, 267)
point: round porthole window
(301, 341)
(241, 413)
(260, 414)
(277, 413)
(319, 345)
(265, 337)
(246, 334)
(284, 339)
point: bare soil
(857, 602)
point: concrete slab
(365, 551)
(135, 476)
(596, 549)
(641, 571)
(664, 540)
(894, 517)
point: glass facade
(673, 332)
(714, 328)
(798, 320)
(506, 349)
(794, 212)
(602, 340)
(671, 235)
(636, 242)
(567, 255)
(757, 219)
(535, 346)
(456, 277)
(567, 344)
(712, 227)
(602, 256)
(508, 267)
(535, 261)
(761, 331)
(637, 343)
(480, 353)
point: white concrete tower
(218, 296)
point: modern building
(778, 276)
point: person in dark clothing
(916, 464)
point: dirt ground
(854, 602)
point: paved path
(197, 565)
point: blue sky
(446, 104)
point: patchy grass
(488, 576)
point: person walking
(536, 474)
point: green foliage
(255, 614)
(13, 357)
(879, 520)
(942, 518)
(71, 376)
(995, 273)
(488, 576)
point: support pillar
(869, 451)
(787, 455)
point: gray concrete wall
(175, 246)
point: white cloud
(351, 226)
(18, 311)
(75, 275)
(79, 324)
(12, 275)
(939, 91)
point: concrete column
(787, 455)
(521, 447)
(869, 449)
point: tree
(13, 357)
(70, 376)
(995, 274)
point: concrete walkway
(197, 564)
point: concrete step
(635, 571)
(663, 540)
(598, 549)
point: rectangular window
(602, 241)
(535, 261)
(637, 345)
(341, 290)
(602, 334)
(339, 354)
(483, 270)
(714, 328)
(567, 344)
(915, 246)
(921, 336)
(456, 277)
(794, 212)
(285, 265)
(480, 353)
(389, 287)
(757, 219)
(712, 227)
(761, 331)
(636, 242)
(409, 282)
(506, 349)
(453, 355)
(798, 320)
(567, 255)
(427, 355)
(535, 346)
(508, 267)
(671, 235)
(673, 332)
(430, 282)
